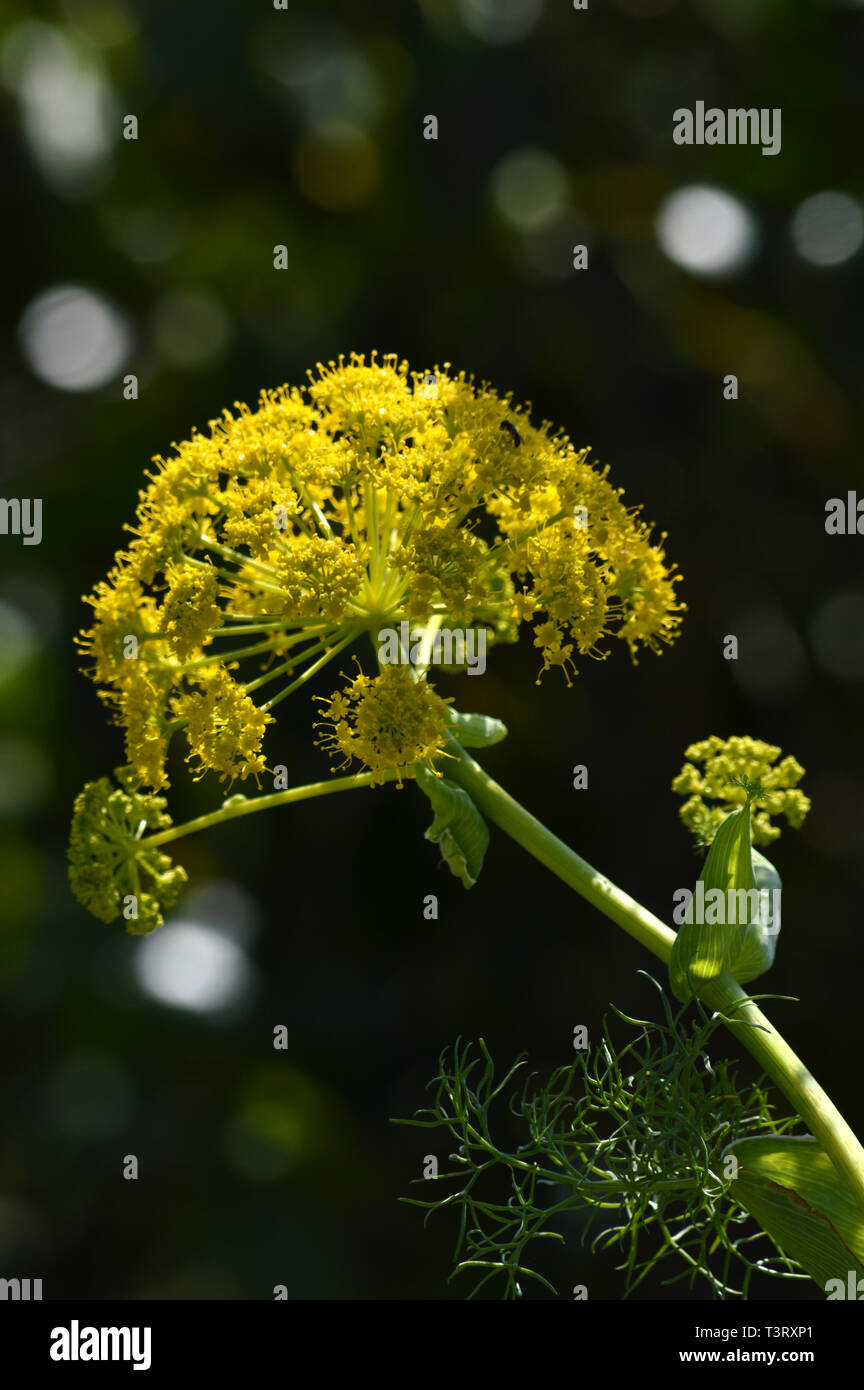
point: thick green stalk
(801, 1089)
(724, 994)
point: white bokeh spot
(74, 339)
(828, 228)
(192, 966)
(705, 230)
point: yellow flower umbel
(372, 497)
(732, 768)
(389, 722)
(112, 869)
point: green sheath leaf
(476, 730)
(744, 940)
(707, 948)
(458, 828)
(796, 1194)
(759, 943)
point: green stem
(236, 556)
(310, 671)
(532, 835)
(724, 994)
(747, 1021)
(242, 806)
(241, 629)
(276, 671)
(254, 649)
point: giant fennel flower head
(375, 496)
(372, 497)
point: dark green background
(258, 1167)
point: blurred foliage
(261, 127)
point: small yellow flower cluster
(111, 871)
(387, 722)
(224, 726)
(730, 766)
(372, 496)
(190, 608)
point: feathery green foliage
(631, 1137)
